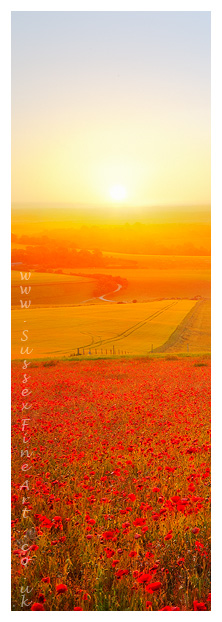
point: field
(194, 332)
(153, 277)
(48, 289)
(118, 489)
(132, 328)
(74, 313)
(163, 276)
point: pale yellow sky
(105, 100)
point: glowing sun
(118, 193)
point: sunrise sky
(111, 108)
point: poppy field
(117, 493)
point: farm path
(103, 297)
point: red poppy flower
(153, 587)
(144, 577)
(120, 573)
(46, 580)
(199, 546)
(108, 535)
(126, 524)
(61, 588)
(199, 606)
(77, 609)
(133, 554)
(132, 497)
(109, 552)
(168, 536)
(139, 522)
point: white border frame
(5, 120)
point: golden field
(134, 328)
(194, 332)
(48, 289)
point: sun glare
(118, 193)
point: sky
(111, 108)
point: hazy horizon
(93, 213)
